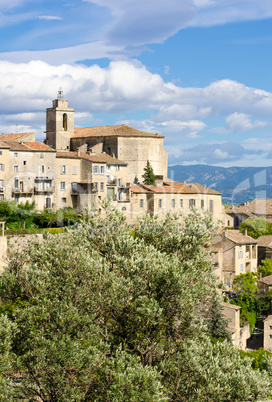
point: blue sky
(197, 71)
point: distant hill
(237, 184)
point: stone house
(239, 336)
(267, 339)
(264, 248)
(234, 254)
(4, 169)
(265, 284)
(258, 208)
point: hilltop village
(80, 167)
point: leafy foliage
(107, 314)
(265, 268)
(148, 176)
(256, 227)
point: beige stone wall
(68, 171)
(59, 125)
(244, 336)
(34, 172)
(3, 252)
(4, 172)
(267, 344)
(137, 150)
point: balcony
(111, 182)
(27, 190)
(44, 190)
(41, 178)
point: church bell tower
(59, 124)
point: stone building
(234, 254)
(79, 167)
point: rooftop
(28, 146)
(96, 158)
(122, 130)
(238, 237)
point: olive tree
(114, 313)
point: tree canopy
(256, 227)
(113, 313)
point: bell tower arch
(59, 123)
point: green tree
(265, 268)
(103, 314)
(256, 227)
(148, 176)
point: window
(62, 185)
(63, 169)
(42, 156)
(24, 162)
(16, 169)
(74, 170)
(191, 203)
(74, 187)
(95, 169)
(160, 203)
(42, 169)
(102, 186)
(2, 166)
(211, 205)
(119, 182)
(241, 267)
(270, 326)
(119, 196)
(270, 336)
(1, 197)
(0, 153)
(101, 170)
(173, 203)
(228, 282)
(118, 167)
(202, 204)
(240, 254)
(65, 121)
(63, 200)
(15, 155)
(141, 203)
(181, 203)
(95, 186)
(16, 183)
(16, 198)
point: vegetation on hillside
(256, 227)
(21, 216)
(110, 313)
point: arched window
(65, 121)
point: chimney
(246, 232)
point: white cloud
(128, 86)
(239, 122)
(49, 17)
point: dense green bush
(256, 227)
(104, 315)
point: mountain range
(237, 184)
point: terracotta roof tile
(97, 158)
(3, 145)
(14, 137)
(265, 241)
(122, 130)
(28, 146)
(238, 237)
(139, 189)
(267, 280)
(196, 188)
(258, 207)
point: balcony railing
(44, 190)
(27, 190)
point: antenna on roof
(60, 93)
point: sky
(197, 71)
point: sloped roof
(267, 280)
(139, 189)
(97, 158)
(265, 241)
(257, 207)
(238, 237)
(194, 188)
(28, 146)
(14, 137)
(3, 145)
(122, 130)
